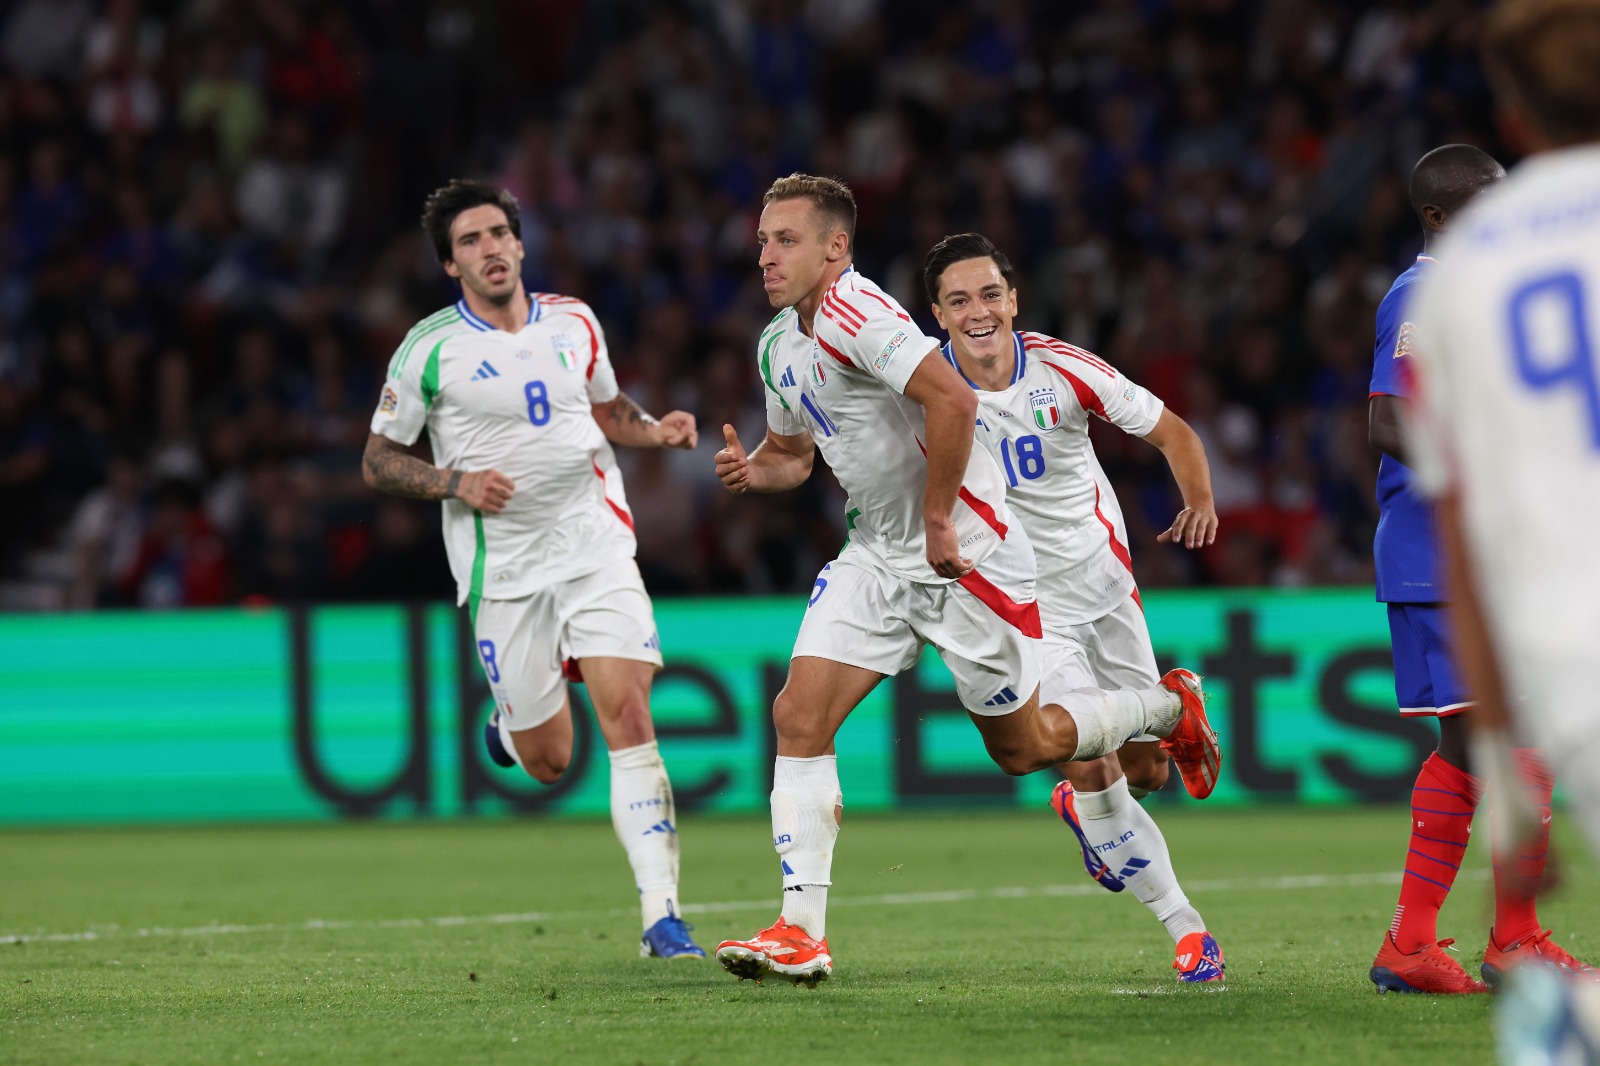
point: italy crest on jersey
(819, 376)
(566, 350)
(1046, 411)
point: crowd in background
(209, 249)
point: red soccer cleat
(1192, 742)
(1198, 959)
(782, 949)
(1538, 948)
(1432, 971)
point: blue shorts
(1425, 680)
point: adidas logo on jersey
(1002, 698)
(485, 372)
(660, 827)
(787, 381)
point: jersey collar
(1018, 365)
(535, 312)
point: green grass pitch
(959, 937)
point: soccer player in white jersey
(518, 396)
(1506, 438)
(1035, 397)
(934, 557)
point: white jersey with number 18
(519, 403)
(1507, 416)
(1037, 428)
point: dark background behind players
(208, 249)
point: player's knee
(546, 769)
(797, 725)
(1017, 762)
(1148, 769)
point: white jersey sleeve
(778, 374)
(407, 393)
(862, 326)
(1100, 388)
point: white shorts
(1111, 652)
(985, 626)
(525, 644)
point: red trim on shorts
(1022, 616)
(627, 519)
(572, 671)
(1137, 600)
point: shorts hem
(1447, 711)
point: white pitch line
(891, 899)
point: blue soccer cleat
(1198, 959)
(492, 741)
(669, 939)
(1061, 802)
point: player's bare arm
(1196, 525)
(1384, 426)
(389, 467)
(624, 422)
(778, 464)
(951, 411)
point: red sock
(1516, 876)
(1441, 820)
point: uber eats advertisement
(330, 712)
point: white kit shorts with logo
(525, 644)
(1111, 652)
(985, 626)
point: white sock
(1108, 719)
(506, 742)
(1112, 817)
(804, 828)
(643, 816)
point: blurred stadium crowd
(209, 249)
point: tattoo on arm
(390, 469)
(624, 412)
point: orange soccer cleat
(1198, 959)
(782, 949)
(1192, 742)
(1538, 948)
(1431, 970)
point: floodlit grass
(958, 938)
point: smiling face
(976, 307)
(797, 248)
(484, 254)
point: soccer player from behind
(1035, 396)
(1506, 440)
(934, 556)
(1448, 788)
(518, 396)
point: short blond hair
(830, 198)
(1545, 55)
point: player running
(934, 557)
(1035, 396)
(519, 399)
(1507, 441)
(1413, 958)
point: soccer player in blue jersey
(1413, 958)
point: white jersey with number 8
(519, 403)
